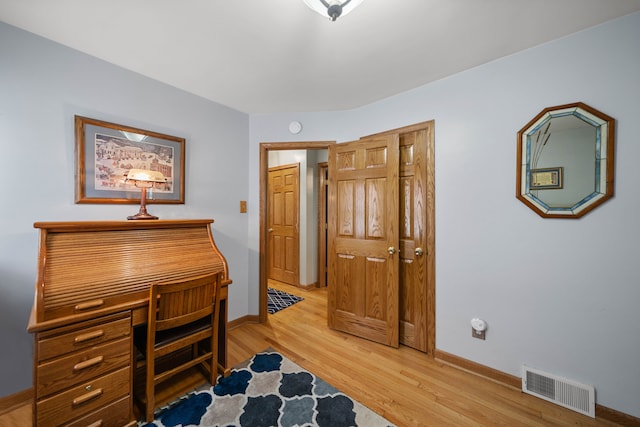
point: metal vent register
(567, 393)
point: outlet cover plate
(478, 334)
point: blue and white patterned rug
(268, 390)
(277, 300)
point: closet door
(363, 291)
(413, 239)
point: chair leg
(149, 390)
(215, 321)
(213, 371)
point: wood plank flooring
(403, 385)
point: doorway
(265, 149)
(417, 269)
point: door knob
(270, 230)
(419, 252)
(391, 250)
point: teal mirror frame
(546, 173)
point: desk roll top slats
(82, 263)
(89, 272)
(81, 268)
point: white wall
(559, 295)
(42, 86)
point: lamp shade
(333, 8)
(145, 176)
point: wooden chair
(183, 315)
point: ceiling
(267, 56)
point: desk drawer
(80, 366)
(83, 399)
(116, 414)
(82, 335)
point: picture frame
(105, 151)
(546, 179)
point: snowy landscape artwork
(115, 156)
(106, 152)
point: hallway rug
(277, 300)
(268, 390)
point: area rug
(268, 390)
(277, 300)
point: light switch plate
(243, 206)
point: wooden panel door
(413, 239)
(283, 219)
(363, 285)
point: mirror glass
(565, 161)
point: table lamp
(144, 179)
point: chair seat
(169, 335)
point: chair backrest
(181, 302)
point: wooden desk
(91, 290)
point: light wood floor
(403, 385)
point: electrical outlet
(478, 334)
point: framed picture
(546, 179)
(105, 152)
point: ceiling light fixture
(333, 8)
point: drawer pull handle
(88, 363)
(88, 336)
(96, 424)
(86, 397)
(89, 304)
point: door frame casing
(265, 147)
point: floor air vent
(567, 393)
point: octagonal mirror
(565, 161)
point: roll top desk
(91, 290)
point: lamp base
(142, 215)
